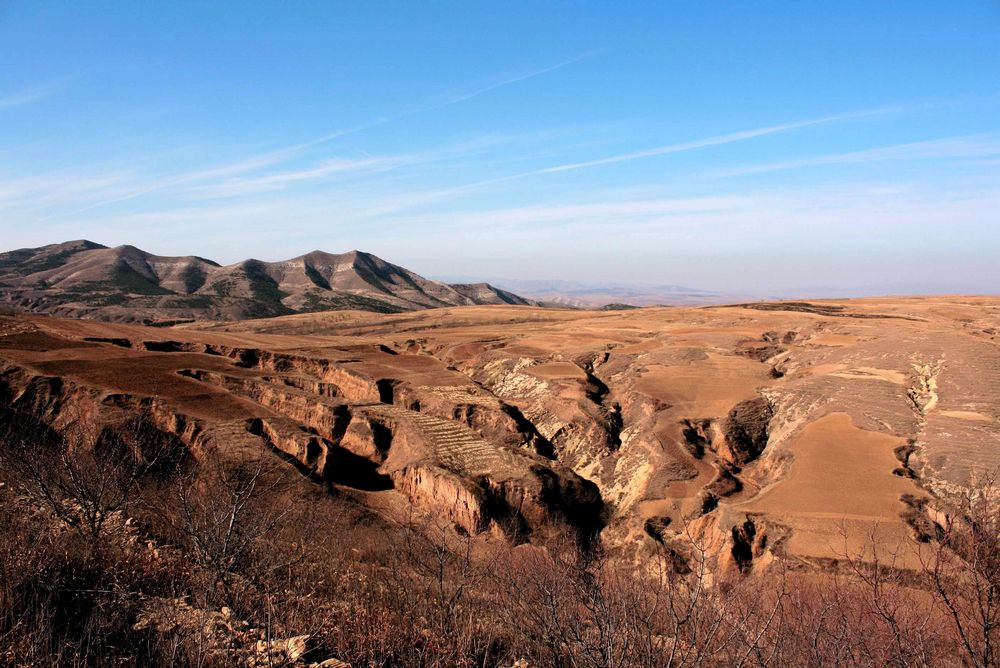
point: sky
(751, 147)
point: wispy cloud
(951, 148)
(343, 167)
(243, 166)
(462, 97)
(279, 180)
(26, 96)
(783, 216)
(680, 147)
(202, 178)
(64, 187)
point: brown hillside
(126, 284)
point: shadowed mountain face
(126, 284)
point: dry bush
(221, 511)
(410, 595)
(885, 593)
(114, 554)
(569, 608)
(63, 603)
(964, 568)
(90, 475)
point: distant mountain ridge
(577, 294)
(125, 284)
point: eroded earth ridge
(790, 430)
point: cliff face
(492, 442)
(341, 419)
(757, 429)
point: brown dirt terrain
(83, 279)
(808, 420)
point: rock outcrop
(747, 429)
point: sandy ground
(838, 490)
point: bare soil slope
(126, 284)
(788, 430)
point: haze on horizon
(758, 148)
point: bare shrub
(964, 568)
(884, 590)
(221, 510)
(64, 603)
(112, 553)
(412, 596)
(575, 609)
(90, 475)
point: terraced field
(815, 421)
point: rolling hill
(126, 284)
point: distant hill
(597, 295)
(126, 284)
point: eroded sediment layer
(758, 429)
(340, 425)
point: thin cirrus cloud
(680, 147)
(339, 166)
(951, 148)
(786, 215)
(677, 147)
(56, 188)
(280, 180)
(244, 166)
(26, 96)
(277, 156)
(513, 80)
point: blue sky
(753, 147)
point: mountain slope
(126, 284)
(484, 293)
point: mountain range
(583, 294)
(125, 284)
